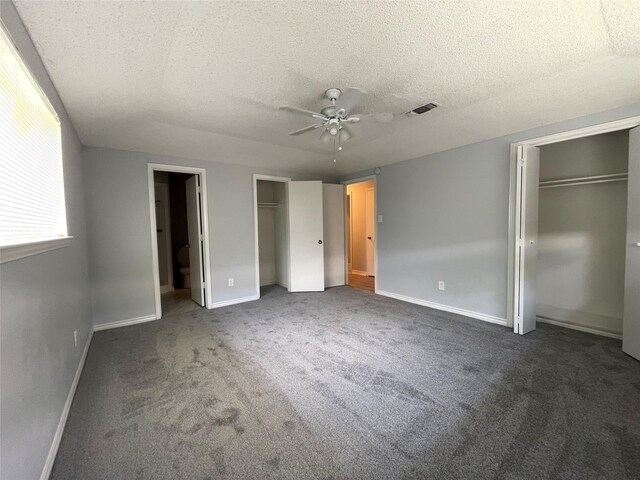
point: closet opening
(180, 239)
(361, 234)
(576, 218)
(272, 235)
(582, 221)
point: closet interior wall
(272, 233)
(581, 233)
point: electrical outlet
(231, 282)
(440, 285)
(75, 338)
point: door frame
(375, 226)
(269, 178)
(159, 167)
(516, 194)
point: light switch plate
(379, 218)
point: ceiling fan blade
(384, 117)
(307, 129)
(302, 111)
(348, 99)
(326, 137)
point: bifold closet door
(306, 251)
(528, 178)
(333, 214)
(631, 320)
(194, 229)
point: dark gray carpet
(348, 385)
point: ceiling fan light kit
(333, 117)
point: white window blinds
(32, 206)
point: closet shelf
(566, 182)
(268, 205)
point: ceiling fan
(333, 118)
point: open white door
(163, 237)
(194, 227)
(631, 320)
(333, 219)
(370, 206)
(306, 251)
(527, 178)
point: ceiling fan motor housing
(333, 94)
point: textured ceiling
(204, 79)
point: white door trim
(159, 167)
(375, 221)
(270, 178)
(515, 194)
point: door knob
(320, 242)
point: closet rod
(566, 182)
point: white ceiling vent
(422, 109)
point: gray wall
(445, 217)
(43, 299)
(116, 183)
(582, 233)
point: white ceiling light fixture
(333, 118)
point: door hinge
(520, 154)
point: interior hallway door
(196, 244)
(370, 227)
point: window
(32, 204)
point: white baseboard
(53, 451)
(274, 282)
(123, 323)
(166, 289)
(581, 328)
(234, 301)
(445, 308)
(268, 282)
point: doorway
(289, 245)
(575, 220)
(271, 194)
(179, 238)
(361, 234)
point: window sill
(9, 253)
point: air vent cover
(422, 109)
